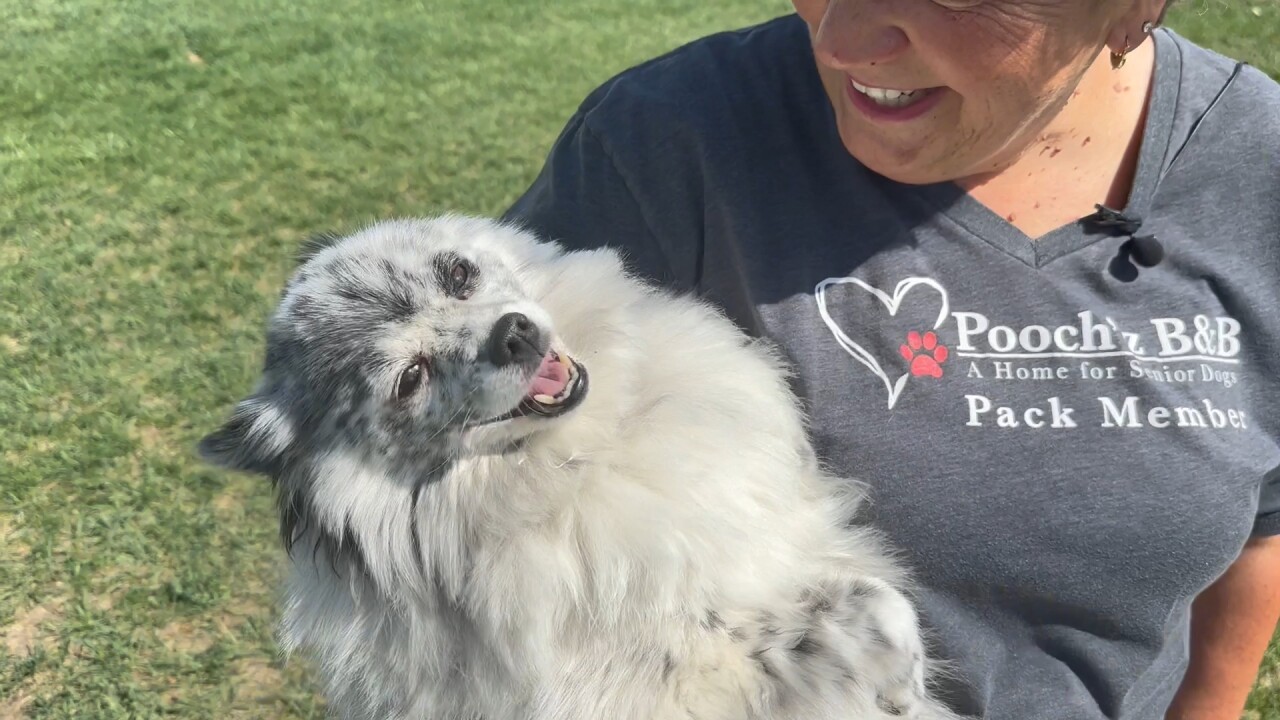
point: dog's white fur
(669, 550)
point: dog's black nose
(515, 339)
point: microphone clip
(1145, 250)
(1110, 219)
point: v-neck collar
(958, 206)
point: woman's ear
(1134, 27)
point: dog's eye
(411, 378)
(460, 277)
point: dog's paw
(886, 623)
(850, 647)
(881, 630)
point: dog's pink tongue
(552, 377)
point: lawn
(159, 164)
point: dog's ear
(254, 439)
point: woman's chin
(906, 166)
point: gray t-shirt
(1067, 446)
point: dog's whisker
(448, 460)
(449, 422)
(572, 458)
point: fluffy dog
(515, 483)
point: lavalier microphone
(1145, 250)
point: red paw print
(924, 353)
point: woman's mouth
(892, 104)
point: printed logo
(1197, 353)
(892, 303)
(925, 354)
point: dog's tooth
(545, 399)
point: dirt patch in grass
(153, 442)
(253, 603)
(256, 681)
(12, 548)
(14, 707)
(184, 638)
(227, 502)
(149, 437)
(31, 629)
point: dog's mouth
(559, 386)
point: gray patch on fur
(713, 621)
(806, 645)
(668, 666)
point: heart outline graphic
(892, 304)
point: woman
(1024, 257)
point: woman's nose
(857, 33)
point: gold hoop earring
(1118, 58)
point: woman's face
(985, 76)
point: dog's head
(408, 344)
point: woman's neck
(1087, 154)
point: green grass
(159, 163)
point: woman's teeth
(889, 98)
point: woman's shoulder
(1247, 95)
(1225, 125)
(1221, 169)
(700, 85)
(629, 167)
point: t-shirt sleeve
(582, 200)
(1268, 519)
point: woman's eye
(410, 379)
